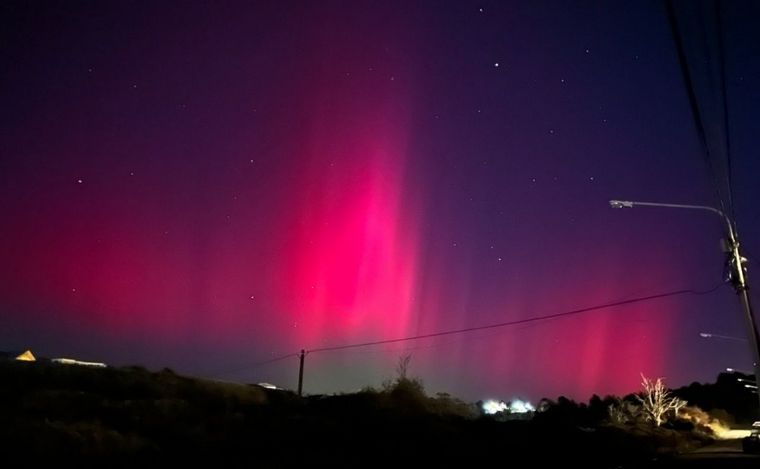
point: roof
(22, 355)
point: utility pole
(300, 372)
(739, 281)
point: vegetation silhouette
(122, 417)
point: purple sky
(207, 185)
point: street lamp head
(621, 204)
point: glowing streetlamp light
(737, 271)
(710, 335)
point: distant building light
(491, 406)
(71, 361)
(27, 356)
(521, 407)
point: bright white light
(71, 361)
(520, 407)
(491, 406)
(268, 386)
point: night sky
(208, 185)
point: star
(79, 181)
(496, 64)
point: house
(25, 356)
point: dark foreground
(129, 417)
(720, 454)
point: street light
(737, 274)
(750, 384)
(710, 335)
(631, 204)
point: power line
(693, 101)
(724, 96)
(254, 365)
(521, 321)
(534, 319)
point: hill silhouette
(128, 416)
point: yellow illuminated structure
(27, 356)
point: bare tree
(403, 366)
(622, 412)
(617, 413)
(656, 400)
(677, 405)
